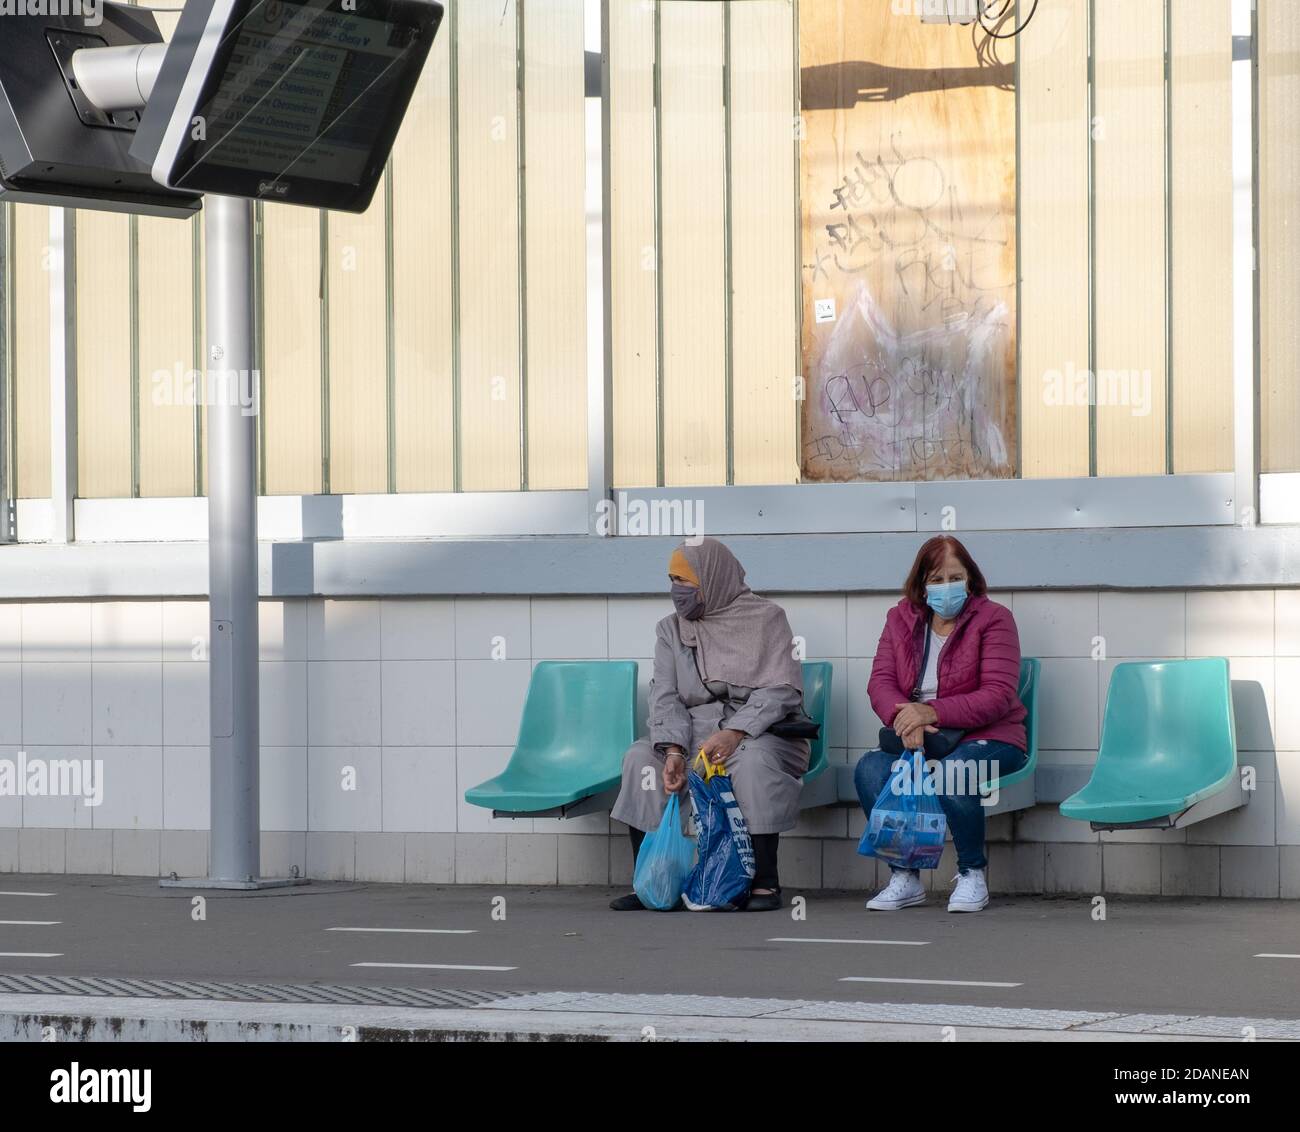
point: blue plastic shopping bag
(906, 825)
(721, 878)
(663, 861)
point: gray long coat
(766, 771)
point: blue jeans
(961, 806)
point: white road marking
(437, 966)
(31, 923)
(30, 954)
(883, 942)
(927, 982)
(28, 893)
(415, 931)
(1275, 955)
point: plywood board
(908, 200)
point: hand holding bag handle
(939, 743)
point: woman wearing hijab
(724, 673)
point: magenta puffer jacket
(979, 670)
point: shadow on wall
(841, 86)
(1250, 716)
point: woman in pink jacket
(949, 657)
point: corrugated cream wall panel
(358, 357)
(693, 214)
(1054, 241)
(489, 247)
(1129, 164)
(31, 349)
(555, 241)
(765, 309)
(103, 355)
(167, 387)
(1279, 235)
(291, 406)
(1201, 184)
(634, 313)
(422, 284)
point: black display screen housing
(302, 100)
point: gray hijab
(741, 638)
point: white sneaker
(903, 890)
(971, 893)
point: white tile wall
(283, 788)
(570, 628)
(632, 622)
(419, 703)
(133, 788)
(185, 630)
(57, 631)
(11, 702)
(11, 632)
(282, 629)
(344, 789)
(282, 703)
(420, 789)
(187, 787)
(343, 630)
(126, 704)
(406, 692)
(343, 703)
(11, 804)
(1142, 624)
(417, 629)
(490, 700)
(126, 631)
(493, 628)
(1230, 623)
(1056, 624)
(819, 620)
(56, 703)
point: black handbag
(938, 744)
(797, 725)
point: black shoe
(765, 902)
(629, 903)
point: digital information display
(298, 102)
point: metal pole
(232, 540)
(600, 420)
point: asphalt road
(1157, 955)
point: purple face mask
(688, 601)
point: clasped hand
(912, 720)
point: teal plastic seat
(579, 719)
(816, 699)
(1028, 692)
(1167, 742)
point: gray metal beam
(1158, 558)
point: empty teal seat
(579, 719)
(816, 698)
(1167, 743)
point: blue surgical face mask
(947, 599)
(688, 601)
